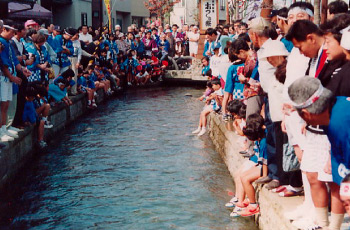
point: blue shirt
(288, 44)
(8, 56)
(260, 155)
(338, 132)
(232, 83)
(62, 58)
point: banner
(209, 14)
(108, 7)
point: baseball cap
(168, 31)
(259, 23)
(44, 32)
(30, 22)
(273, 48)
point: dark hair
(31, 92)
(337, 7)
(211, 31)
(334, 26)
(30, 32)
(243, 24)
(41, 90)
(133, 36)
(301, 28)
(208, 73)
(238, 45)
(346, 178)
(242, 111)
(38, 38)
(209, 84)
(80, 70)
(71, 31)
(19, 27)
(234, 106)
(283, 12)
(155, 29)
(206, 58)
(215, 82)
(9, 22)
(280, 72)
(175, 25)
(254, 129)
(237, 21)
(302, 5)
(231, 54)
(68, 73)
(245, 37)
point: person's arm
(12, 78)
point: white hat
(121, 35)
(345, 40)
(168, 31)
(272, 48)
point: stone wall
(18, 152)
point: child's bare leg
(41, 131)
(249, 177)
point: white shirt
(276, 101)
(297, 65)
(266, 70)
(314, 63)
(86, 37)
(77, 49)
(225, 64)
(193, 36)
(215, 65)
(19, 45)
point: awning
(18, 10)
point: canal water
(133, 164)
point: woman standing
(193, 37)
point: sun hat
(121, 35)
(272, 48)
(30, 22)
(259, 23)
(167, 31)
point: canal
(132, 164)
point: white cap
(121, 35)
(345, 40)
(273, 48)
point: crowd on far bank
(42, 67)
(284, 85)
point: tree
(160, 7)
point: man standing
(84, 36)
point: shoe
(249, 211)
(273, 184)
(232, 203)
(9, 133)
(289, 193)
(263, 180)
(243, 152)
(279, 189)
(129, 84)
(42, 144)
(305, 224)
(197, 130)
(202, 132)
(6, 138)
(48, 125)
(248, 155)
(15, 129)
(235, 211)
(94, 105)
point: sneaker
(94, 105)
(48, 125)
(249, 211)
(273, 184)
(197, 130)
(290, 193)
(236, 211)
(279, 189)
(129, 84)
(15, 129)
(10, 133)
(6, 138)
(42, 144)
(263, 180)
(202, 132)
(232, 203)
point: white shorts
(193, 48)
(316, 154)
(5, 89)
(248, 164)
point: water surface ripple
(130, 165)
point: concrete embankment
(272, 207)
(19, 152)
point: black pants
(21, 100)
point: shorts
(316, 153)
(248, 164)
(5, 89)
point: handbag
(290, 160)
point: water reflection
(130, 165)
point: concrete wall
(70, 15)
(272, 206)
(22, 149)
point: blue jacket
(164, 44)
(62, 58)
(206, 48)
(139, 47)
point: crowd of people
(43, 66)
(284, 85)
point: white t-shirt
(215, 62)
(219, 92)
(85, 38)
(224, 66)
(266, 70)
(193, 45)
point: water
(130, 165)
